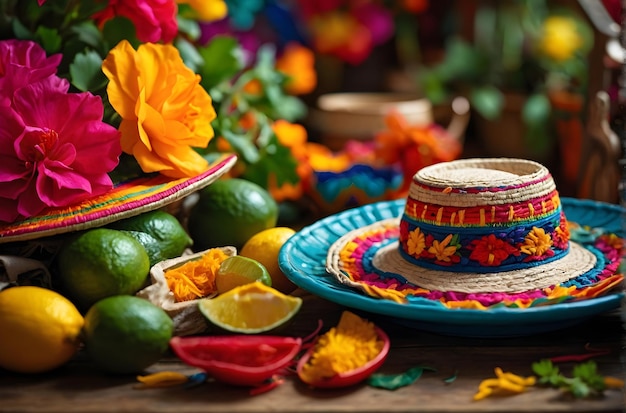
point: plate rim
(424, 312)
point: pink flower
(54, 150)
(154, 20)
(23, 62)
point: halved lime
(250, 309)
(236, 271)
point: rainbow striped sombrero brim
(126, 199)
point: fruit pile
(98, 272)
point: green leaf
(49, 39)
(118, 29)
(243, 145)
(488, 101)
(21, 31)
(190, 27)
(86, 73)
(588, 372)
(190, 55)
(578, 388)
(395, 381)
(275, 160)
(223, 59)
(88, 33)
(536, 109)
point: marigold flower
(491, 251)
(416, 242)
(560, 238)
(154, 20)
(560, 38)
(55, 150)
(207, 10)
(165, 112)
(298, 62)
(537, 242)
(442, 250)
(23, 62)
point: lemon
(126, 334)
(99, 263)
(229, 212)
(264, 247)
(159, 232)
(250, 309)
(39, 328)
(236, 271)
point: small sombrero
(476, 233)
(127, 198)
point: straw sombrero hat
(130, 197)
(480, 232)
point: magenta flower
(154, 20)
(54, 150)
(23, 62)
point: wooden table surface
(79, 387)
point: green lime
(229, 212)
(99, 263)
(171, 238)
(237, 270)
(126, 334)
(150, 244)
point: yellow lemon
(250, 309)
(264, 247)
(40, 329)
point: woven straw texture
(475, 182)
(124, 200)
(388, 259)
(478, 203)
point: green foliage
(257, 146)
(504, 57)
(395, 381)
(67, 27)
(585, 380)
(86, 72)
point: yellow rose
(560, 38)
(165, 111)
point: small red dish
(242, 360)
(351, 377)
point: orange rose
(165, 112)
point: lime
(250, 309)
(150, 244)
(229, 212)
(99, 263)
(40, 329)
(264, 247)
(126, 334)
(236, 271)
(167, 237)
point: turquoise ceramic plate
(303, 257)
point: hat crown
(483, 215)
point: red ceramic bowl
(242, 360)
(351, 377)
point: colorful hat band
(427, 212)
(496, 248)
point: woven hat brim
(129, 198)
(387, 259)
